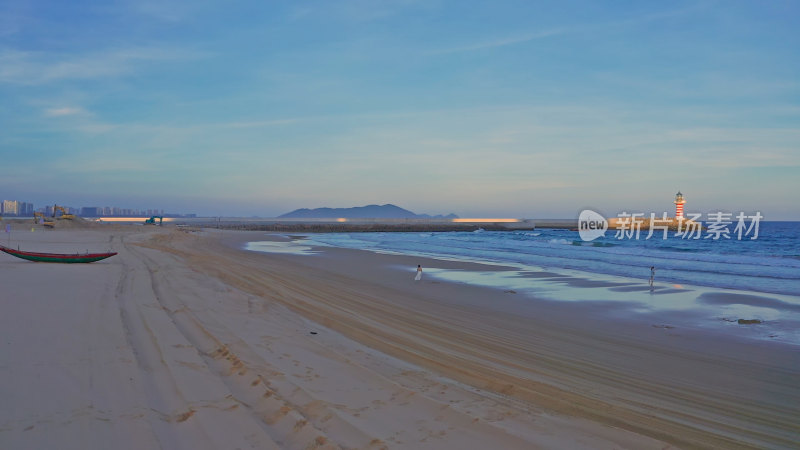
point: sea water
(770, 263)
(708, 283)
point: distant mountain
(361, 212)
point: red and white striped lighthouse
(679, 201)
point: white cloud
(358, 10)
(593, 28)
(97, 165)
(35, 68)
(501, 42)
(12, 18)
(164, 11)
(63, 111)
(256, 124)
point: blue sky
(504, 108)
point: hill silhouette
(387, 211)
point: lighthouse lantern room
(679, 201)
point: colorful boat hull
(57, 257)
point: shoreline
(184, 340)
(710, 265)
(562, 320)
(669, 304)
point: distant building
(10, 207)
(16, 208)
(25, 209)
(91, 211)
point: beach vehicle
(57, 257)
(39, 218)
(64, 213)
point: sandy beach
(185, 341)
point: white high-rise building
(10, 207)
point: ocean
(723, 280)
(769, 264)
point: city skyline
(502, 110)
(26, 209)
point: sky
(518, 109)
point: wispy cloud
(502, 42)
(258, 124)
(113, 161)
(367, 10)
(542, 34)
(14, 17)
(35, 68)
(192, 129)
(357, 10)
(163, 11)
(63, 111)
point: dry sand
(184, 341)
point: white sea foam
(769, 264)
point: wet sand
(184, 340)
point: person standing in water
(652, 275)
(419, 273)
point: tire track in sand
(392, 417)
(177, 421)
(286, 425)
(715, 417)
(158, 386)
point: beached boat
(57, 257)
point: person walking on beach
(652, 275)
(419, 273)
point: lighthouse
(679, 201)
